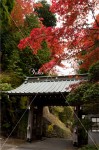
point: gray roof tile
(46, 85)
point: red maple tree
(73, 14)
(72, 35)
(81, 38)
(90, 46)
(37, 36)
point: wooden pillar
(30, 123)
(39, 122)
(79, 127)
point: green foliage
(7, 117)
(23, 102)
(55, 131)
(22, 61)
(31, 22)
(11, 112)
(86, 122)
(10, 52)
(6, 7)
(86, 95)
(4, 78)
(89, 147)
(57, 109)
(22, 126)
(92, 94)
(9, 107)
(44, 12)
(83, 125)
(50, 128)
(76, 96)
(94, 72)
(34, 61)
(67, 115)
(27, 57)
(10, 80)
(5, 83)
(5, 86)
(44, 54)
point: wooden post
(39, 123)
(30, 123)
(79, 126)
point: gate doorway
(44, 91)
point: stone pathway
(46, 144)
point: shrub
(5, 87)
(92, 94)
(94, 72)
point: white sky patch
(69, 71)
(70, 68)
(90, 16)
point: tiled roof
(45, 85)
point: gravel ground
(7, 144)
(45, 144)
